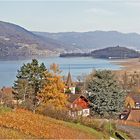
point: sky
(73, 15)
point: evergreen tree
(30, 80)
(107, 98)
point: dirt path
(133, 131)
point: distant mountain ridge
(17, 42)
(95, 39)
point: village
(101, 98)
(78, 102)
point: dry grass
(21, 123)
(6, 133)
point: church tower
(70, 84)
(69, 80)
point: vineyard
(25, 124)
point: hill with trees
(115, 53)
(107, 53)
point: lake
(77, 66)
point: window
(79, 112)
(75, 105)
(85, 112)
(137, 105)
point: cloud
(99, 11)
(134, 4)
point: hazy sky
(56, 16)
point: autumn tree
(134, 81)
(55, 68)
(53, 91)
(131, 81)
(105, 95)
(5, 98)
(30, 80)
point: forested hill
(115, 53)
(107, 53)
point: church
(70, 86)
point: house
(132, 104)
(131, 115)
(69, 85)
(133, 101)
(78, 105)
(134, 115)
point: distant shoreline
(130, 65)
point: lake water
(77, 66)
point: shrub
(90, 122)
(4, 109)
(57, 113)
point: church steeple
(69, 80)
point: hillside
(25, 124)
(96, 39)
(17, 42)
(115, 53)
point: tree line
(37, 87)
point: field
(25, 124)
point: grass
(21, 124)
(4, 109)
(110, 128)
(6, 133)
(86, 129)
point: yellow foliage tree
(53, 92)
(55, 68)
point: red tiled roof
(134, 115)
(83, 103)
(73, 97)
